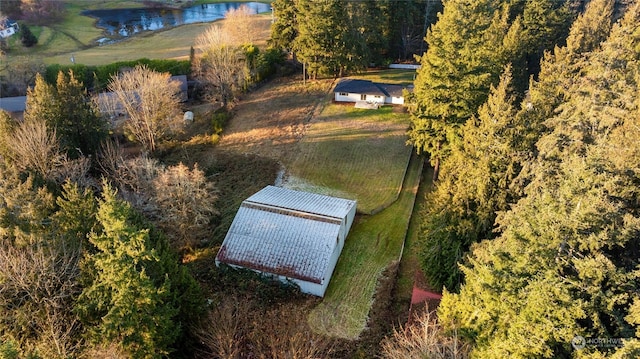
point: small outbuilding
(291, 235)
(354, 90)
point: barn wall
(305, 287)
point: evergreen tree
(137, 296)
(407, 25)
(123, 304)
(27, 37)
(546, 24)
(367, 24)
(456, 73)
(566, 262)
(478, 181)
(41, 101)
(68, 109)
(592, 27)
(284, 29)
(7, 125)
(326, 43)
(78, 124)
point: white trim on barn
(290, 235)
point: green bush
(218, 121)
(268, 61)
(8, 350)
(27, 37)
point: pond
(119, 23)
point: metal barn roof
(285, 232)
(302, 201)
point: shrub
(268, 61)
(27, 37)
(218, 121)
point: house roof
(285, 232)
(13, 104)
(367, 87)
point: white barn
(353, 90)
(290, 235)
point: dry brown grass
(270, 121)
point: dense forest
(532, 227)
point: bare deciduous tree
(33, 147)
(180, 200)
(186, 201)
(225, 338)
(220, 62)
(424, 338)
(151, 103)
(240, 24)
(239, 328)
(39, 284)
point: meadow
(77, 35)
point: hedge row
(97, 77)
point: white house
(290, 235)
(353, 90)
(8, 28)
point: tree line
(532, 226)
(337, 37)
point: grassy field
(355, 153)
(373, 243)
(174, 43)
(77, 35)
(389, 76)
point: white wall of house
(394, 100)
(404, 66)
(354, 97)
(7, 32)
(347, 97)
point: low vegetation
(354, 153)
(373, 244)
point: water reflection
(127, 22)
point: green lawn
(355, 153)
(389, 76)
(373, 243)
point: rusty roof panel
(292, 246)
